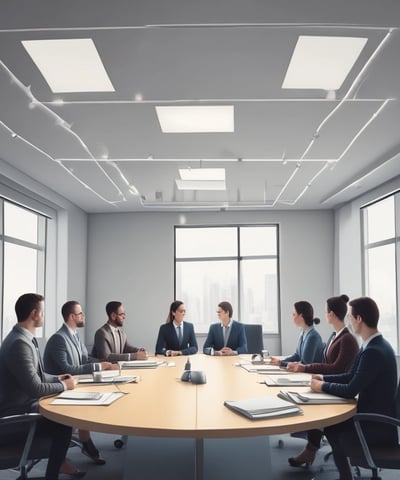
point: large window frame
(237, 262)
(23, 234)
(380, 222)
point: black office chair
(376, 457)
(254, 335)
(19, 451)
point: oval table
(181, 430)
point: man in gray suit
(65, 352)
(110, 341)
(23, 380)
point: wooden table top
(160, 405)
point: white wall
(131, 259)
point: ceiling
(308, 148)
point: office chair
(375, 457)
(21, 453)
(254, 335)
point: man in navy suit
(65, 352)
(176, 337)
(373, 377)
(227, 337)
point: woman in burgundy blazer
(339, 355)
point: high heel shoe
(304, 458)
(68, 469)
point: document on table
(72, 397)
(293, 380)
(312, 398)
(262, 368)
(265, 407)
(140, 364)
(109, 380)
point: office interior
(100, 250)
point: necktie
(117, 341)
(226, 335)
(78, 345)
(179, 330)
(40, 365)
(301, 344)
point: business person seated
(111, 342)
(310, 346)
(65, 352)
(23, 381)
(227, 337)
(176, 337)
(373, 377)
(339, 354)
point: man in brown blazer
(110, 341)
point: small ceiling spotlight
(138, 97)
(14, 135)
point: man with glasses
(111, 342)
(65, 352)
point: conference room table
(178, 429)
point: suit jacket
(168, 340)
(340, 355)
(237, 340)
(62, 355)
(373, 378)
(309, 350)
(104, 345)
(21, 384)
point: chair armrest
(20, 418)
(371, 417)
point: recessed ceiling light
(70, 65)
(202, 173)
(196, 119)
(322, 62)
(200, 184)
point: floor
(282, 447)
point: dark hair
(226, 307)
(306, 310)
(26, 303)
(338, 305)
(112, 307)
(172, 309)
(68, 308)
(367, 309)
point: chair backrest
(254, 335)
(17, 445)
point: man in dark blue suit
(176, 337)
(373, 377)
(227, 337)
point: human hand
(141, 355)
(275, 361)
(226, 351)
(109, 366)
(316, 385)
(68, 380)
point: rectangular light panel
(70, 65)
(196, 119)
(202, 174)
(322, 62)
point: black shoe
(91, 451)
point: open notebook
(79, 397)
(312, 398)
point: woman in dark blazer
(176, 337)
(340, 351)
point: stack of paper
(267, 368)
(265, 407)
(312, 398)
(294, 380)
(119, 379)
(78, 397)
(140, 364)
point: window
(238, 264)
(22, 236)
(381, 240)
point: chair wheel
(281, 443)
(118, 443)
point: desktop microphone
(187, 365)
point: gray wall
(131, 259)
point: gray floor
(320, 470)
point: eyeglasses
(78, 314)
(123, 314)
